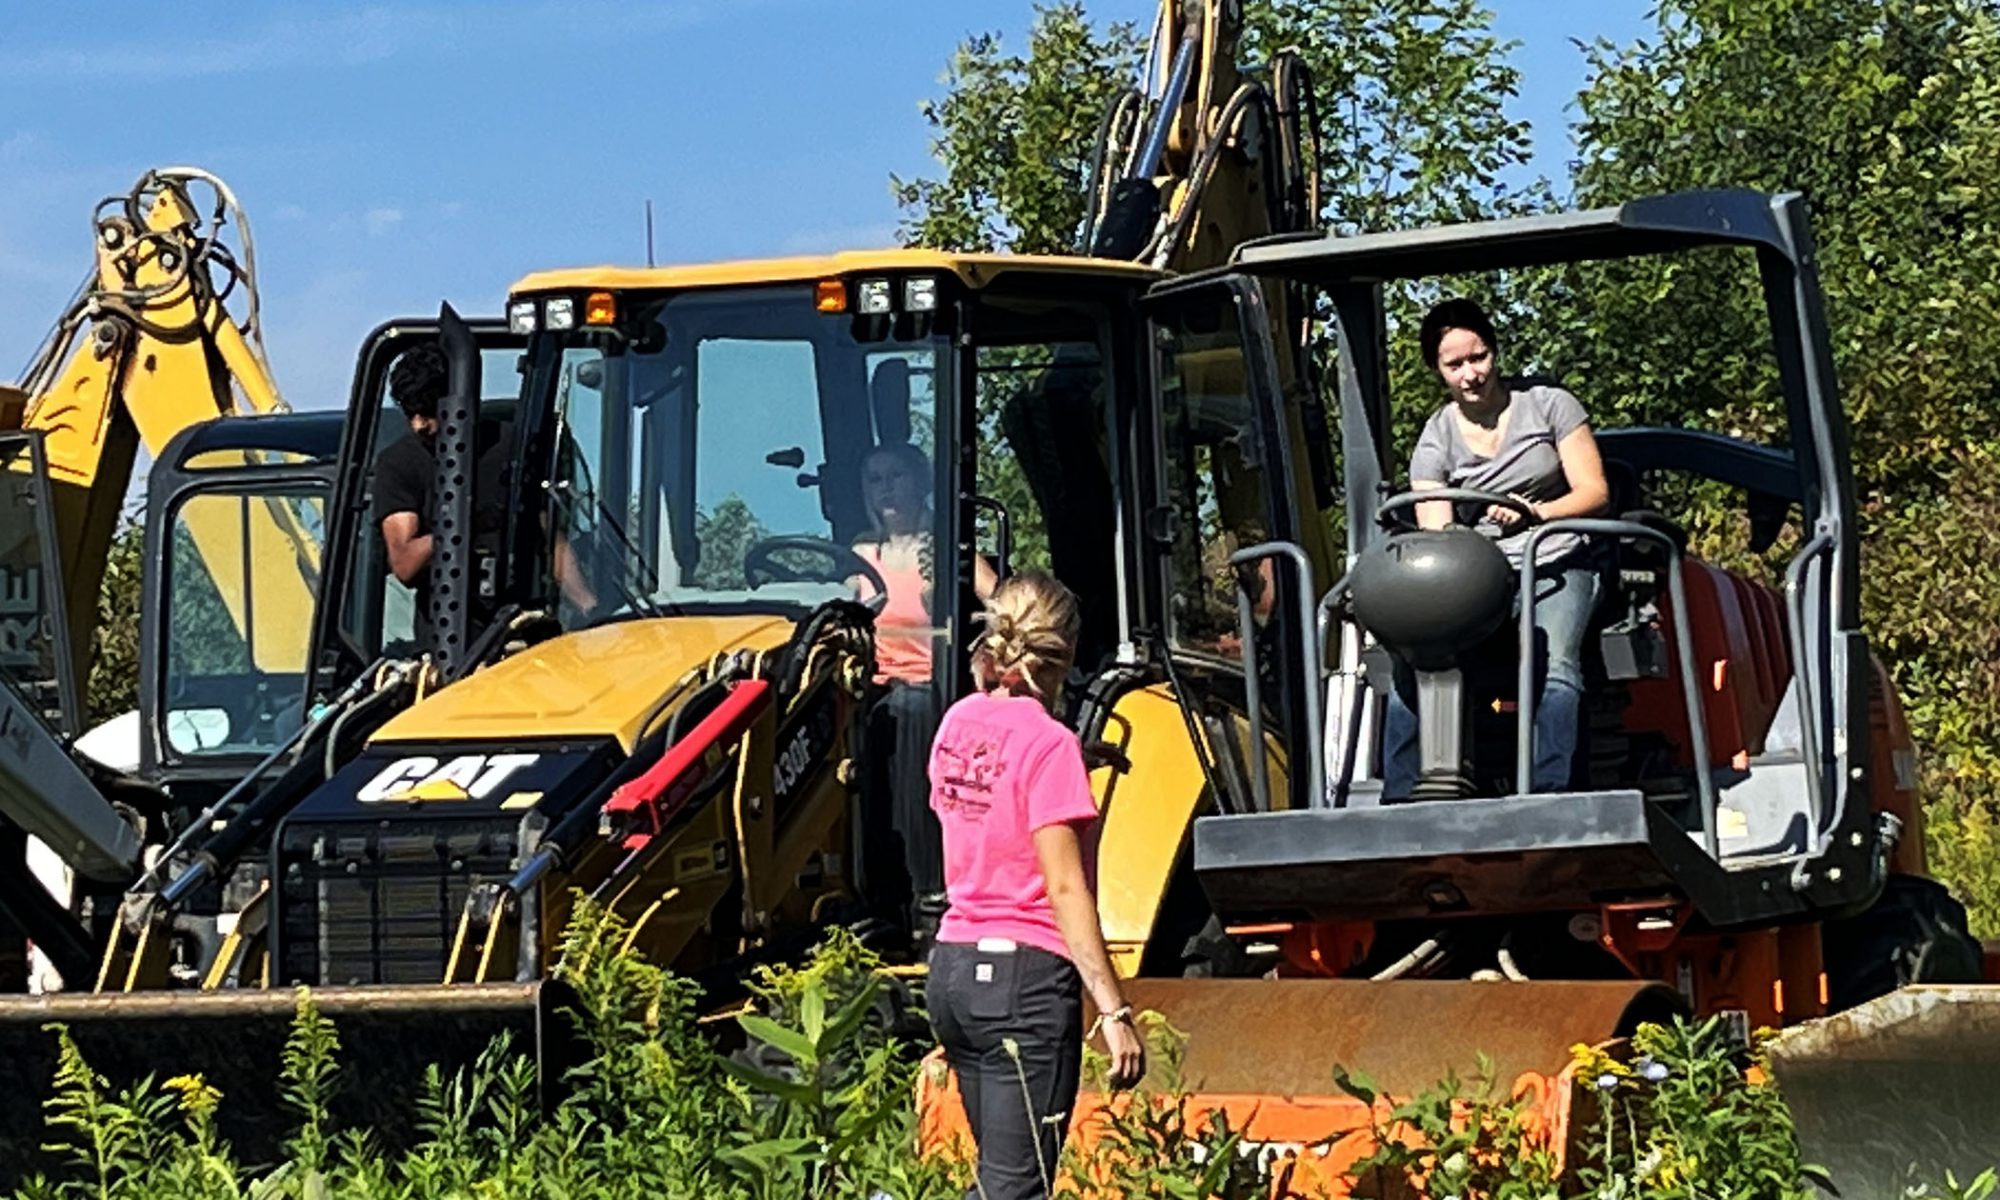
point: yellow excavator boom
(147, 349)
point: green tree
(725, 536)
(113, 683)
(1886, 114)
(1014, 135)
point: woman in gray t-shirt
(1533, 444)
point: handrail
(1323, 619)
(1809, 711)
(1524, 738)
(1314, 734)
(1351, 745)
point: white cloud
(289, 212)
(379, 221)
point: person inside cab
(403, 476)
(900, 543)
(1534, 444)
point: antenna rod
(649, 233)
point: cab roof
(1649, 225)
(976, 270)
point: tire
(1913, 933)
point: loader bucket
(1265, 1052)
(388, 1036)
(1902, 1084)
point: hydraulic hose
(1421, 955)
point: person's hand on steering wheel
(1507, 515)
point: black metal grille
(381, 904)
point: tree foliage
(113, 683)
(1014, 134)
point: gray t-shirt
(1525, 463)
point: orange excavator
(1745, 840)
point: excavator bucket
(234, 1039)
(1265, 1053)
(1897, 1090)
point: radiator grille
(375, 905)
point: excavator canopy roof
(976, 270)
(1653, 225)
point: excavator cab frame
(198, 667)
(36, 654)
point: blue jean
(1566, 598)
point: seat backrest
(1724, 674)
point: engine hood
(594, 683)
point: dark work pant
(903, 833)
(979, 1002)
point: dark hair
(1456, 313)
(419, 379)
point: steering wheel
(1399, 511)
(761, 567)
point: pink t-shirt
(903, 627)
(1001, 768)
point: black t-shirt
(404, 476)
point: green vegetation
(822, 1104)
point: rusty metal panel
(1901, 1084)
(1285, 1037)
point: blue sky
(390, 157)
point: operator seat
(1054, 428)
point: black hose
(798, 651)
(1099, 167)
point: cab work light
(521, 316)
(560, 313)
(920, 294)
(872, 297)
(600, 308)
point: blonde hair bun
(1032, 622)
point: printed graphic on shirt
(970, 763)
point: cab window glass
(241, 571)
(1215, 474)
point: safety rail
(1254, 701)
(1524, 731)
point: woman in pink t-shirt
(1020, 941)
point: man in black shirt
(404, 472)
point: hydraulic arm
(146, 349)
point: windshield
(739, 449)
(241, 568)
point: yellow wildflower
(198, 1098)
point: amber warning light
(830, 296)
(601, 308)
